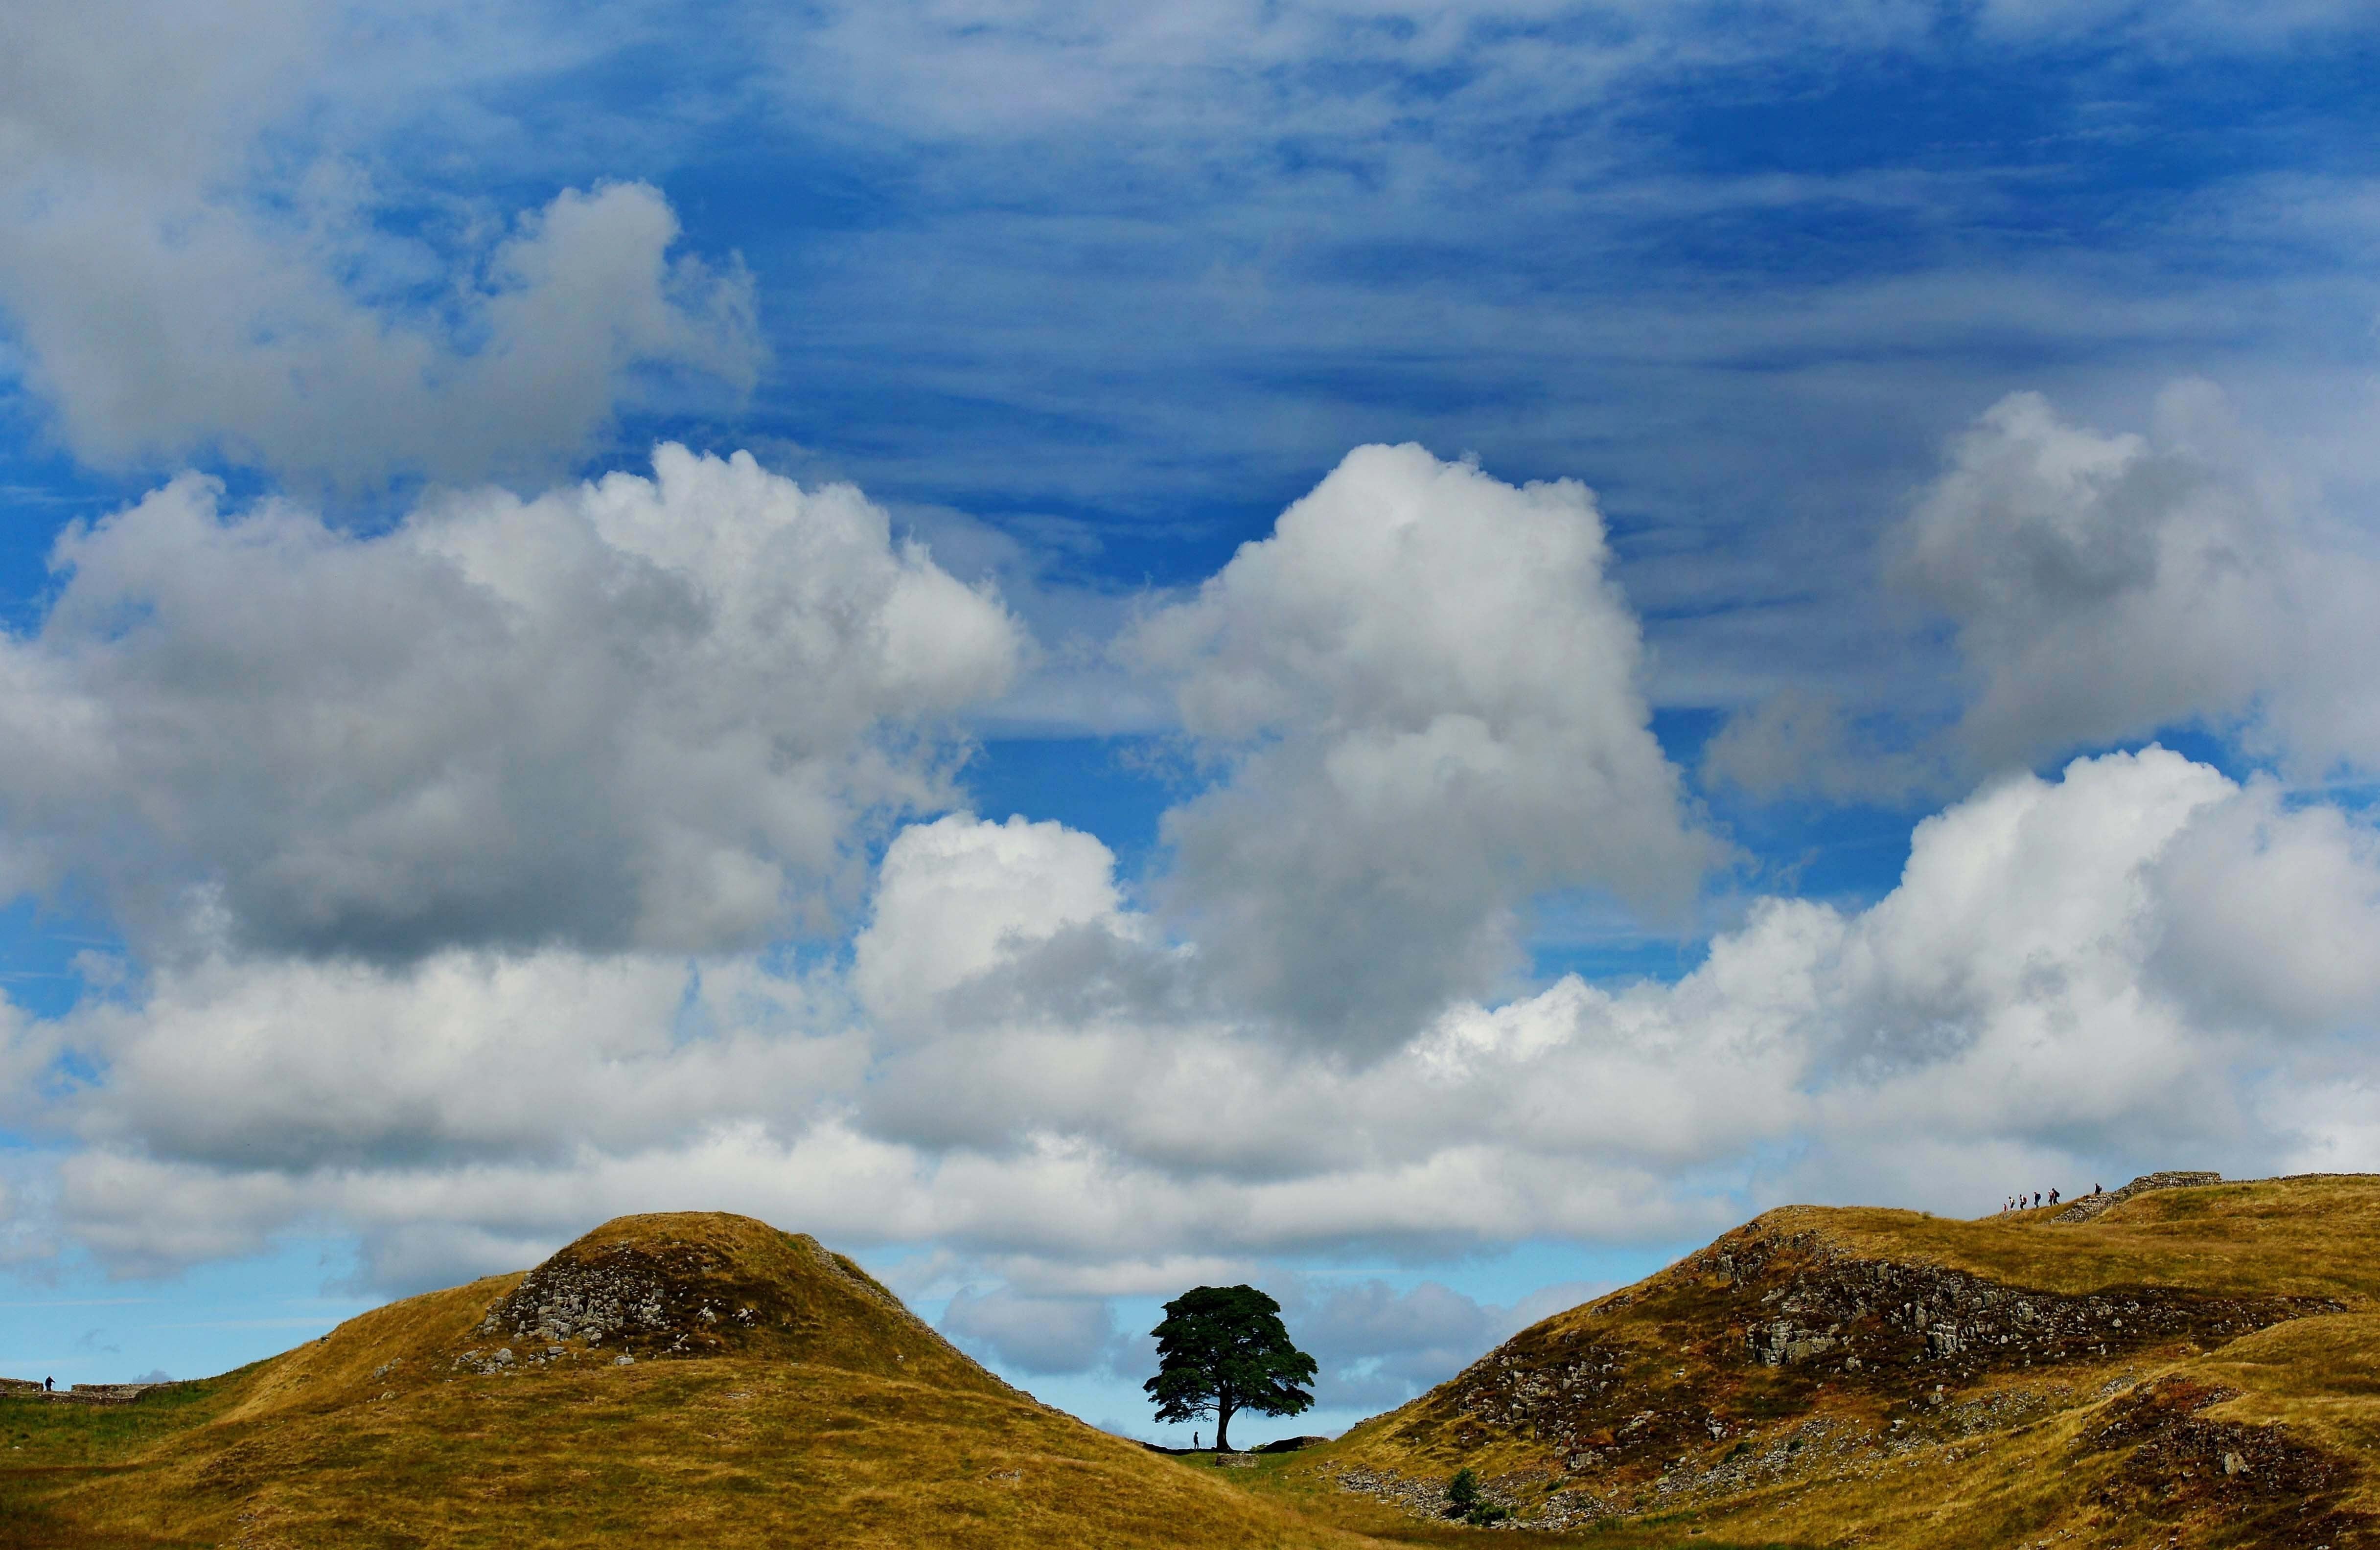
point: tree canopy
(1222, 1349)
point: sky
(1414, 652)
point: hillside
(666, 1379)
(2194, 1366)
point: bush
(1465, 1500)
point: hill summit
(701, 1284)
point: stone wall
(2092, 1206)
(80, 1394)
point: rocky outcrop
(1818, 1304)
(663, 1297)
(2090, 1206)
(704, 1284)
(1741, 1337)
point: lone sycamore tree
(1222, 1349)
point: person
(2036, 1197)
(1194, 1442)
(49, 1385)
(2052, 1197)
(2094, 1187)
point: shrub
(1465, 1500)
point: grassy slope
(2304, 1237)
(328, 1445)
(850, 1424)
(2072, 1452)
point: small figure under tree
(1222, 1349)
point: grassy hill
(2197, 1366)
(773, 1394)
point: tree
(1222, 1349)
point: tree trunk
(1223, 1425)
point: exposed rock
(1769, 1319)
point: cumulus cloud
(958, 896)
(1419, 690)
(2052, 986)
(1423, 687)
(2104, 585)
(640, 713)
(467, 1057)
(191, 269)
(2100, 587)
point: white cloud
(2101, 586)
(1425, 687)
(1064, 1088)
(467, 1057)
(197, 263)
(2052, 988)
(650, 713)
(2105, 585)
(158, 336)
(956, 897)
(2270, 913)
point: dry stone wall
(2090, 1206)
(80, 1394)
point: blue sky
(1924, 748)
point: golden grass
(2046, 1474)
(2304, 1237)
(331, 1446)
(852, 1424)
